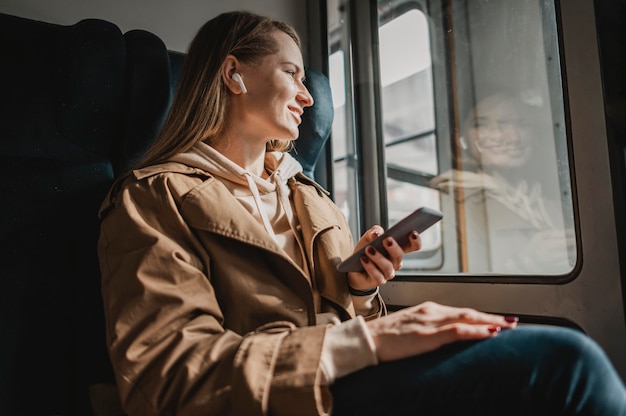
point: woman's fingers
(437, 315)
(415, 242)
(378, 267)
(369, 236)
(466, 332)
(386, 263)
(428, 326)
(394, 252)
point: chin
(291, 134)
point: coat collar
(211, 207)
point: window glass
(473, 124)
(408, 118)
(507, 179)
(345, 184)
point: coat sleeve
(169, 349)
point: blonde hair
(201, 101)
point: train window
(471, 120)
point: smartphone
(419, 220)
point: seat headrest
(148, 97)
(317, 122)
(64, 88)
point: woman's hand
(379, 268)
(428, 326)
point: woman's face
(498, 133)
(276, 98)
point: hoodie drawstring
(257, 200)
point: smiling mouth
(512, 151)
(297, 115)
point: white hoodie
(347, 347)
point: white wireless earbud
(237, 78)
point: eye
(291, 72)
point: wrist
(367, 292)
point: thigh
(525, 371)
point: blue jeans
(530, 370)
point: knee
(564, 342)
(573, 372)
(568, 352)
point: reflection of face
(498, 133)
(276, 94)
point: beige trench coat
(205, 314)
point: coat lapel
(211, 207)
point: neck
(249, 154)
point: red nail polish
(365, 259)
(388, 242)
(511, 319)
(414, 235)
(371, 251)
(375, 234)
(494, 329)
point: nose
(509, 133)
(304, 97)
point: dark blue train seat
(79, 103)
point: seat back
(73, 97)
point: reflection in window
(507, 178)
(507, 187)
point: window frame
(372, 170)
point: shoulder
(165, 181)
(303, 180)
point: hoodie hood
(266, 199)
(281, 166)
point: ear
(230, 66)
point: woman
(219, 268)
